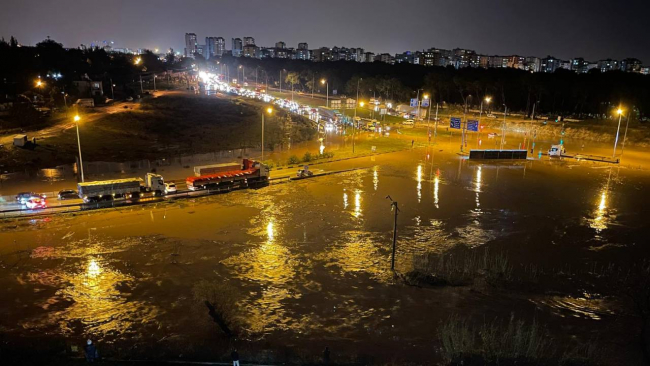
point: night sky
(570, 28)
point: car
(408, 122)
(492, 135)
(23, 197)
(67, 194)
(129, 99)
(490, 115)
(35, 202)
(170, 188)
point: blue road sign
(414, 102)
(472, 126)
(455, 123)
(425, 102)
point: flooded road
(308, 262)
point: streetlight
(426, 97)
(137, 62)
(39, 83)
(487, 101)
(81, 164)
(269, 110)
(620, 115)
(503, 128)
(327, 92)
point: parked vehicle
(23, 197)
(170, 188)
(129, 99)
(250, 172)
(492, 135)
(490, 115)
(556, 151)
(408, 122)
(35, 203)
(117, 188)
(68, 194)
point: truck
(215, 168)
(249, 173)
(118, 188)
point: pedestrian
(412, 143)
(91, 351)
(235, 357)
(326, 356)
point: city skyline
(611, 31)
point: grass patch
(460, 267)
(514, 342)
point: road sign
(414, 102)
(425, 102)
(472, 126)
(334, 91)
(455, 123)
(383, 111)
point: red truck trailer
(250, 173)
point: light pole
(280, 81)
(137, 62)
(503, 128)
(327, 92)
(269, 110)
(112, 86)
(435, 131)
(426, 96)
(627, 123)
(354, 120)
(620, 116)
(487, 101)
(418, 98)
(395, 209)
(81, 164)
(154, 82)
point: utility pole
(625, 135)
(395, 209)
(141, 90)
(503, 128)
(435, 131)
(354, 120)
(620, 115)
(112, 93)
(313, 80)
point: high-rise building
(220, 46)
(550, 64)
(302, 53)
(237, 47)
(190, 44)
(631, 65)
(249, 41)
(210, 47)
(280, 45)
(608, 65)
(251, 50)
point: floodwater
(308, 261)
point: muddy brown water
(310, 260)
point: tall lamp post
(138, 61)
(269, 110)
(81, 164)
(327, 92)
(620, 116)
(354, 120)
(503, 128)
(426, 97)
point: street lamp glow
(39, 83)
(322, 81)
(426, 96)
(77, 118)
(138, 60)
(619, 111)
(269, 110)
(362, 104)
(488, 99)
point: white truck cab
(155, 183)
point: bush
(307, 157)
(293, 160)
(327, 155)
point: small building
(89, 88)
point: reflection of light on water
(345, 200)
(357, 204)
(93, 270)
(436, 183)
(478, 186)
(599, 222)
(269, 231)
(419, 188)
(375, 178)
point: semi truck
(249, 173)
(118, 188)
(215, 168)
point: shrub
(307, 157)
(293, 160)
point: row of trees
(561, 93)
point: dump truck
(249, 173)
(215, 168)
(120, 188)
